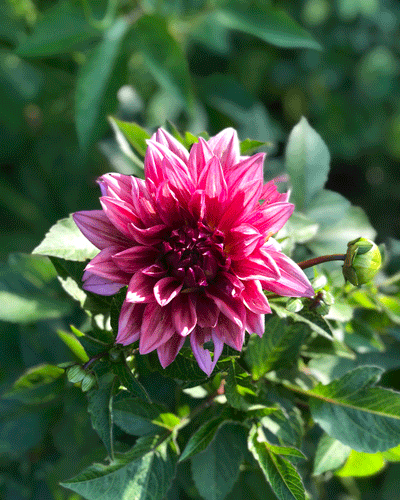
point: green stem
(94, 359)
(319, 260)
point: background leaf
(330, 454)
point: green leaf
(201, 438)
(164, 57)
(73, 343)
(239, 388)
(216, 469)
(307, 163)
(279, 472)
(354, 411)
(98, 79)
(249, 146)
(20, 433)
(268, 24)
(134, 133)
(138, 417)
(100, 409)
(65, 240)
(37, 385)
(129, 381)
(184, 367)
(62, 29)
(330, 454)
(392, 455)
(144, 473)
(278, 347)
(361, 464)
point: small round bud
(88, 382)
(75, 374)
(363, 261)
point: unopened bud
(75, 374)
(88, 382)
(363, 261)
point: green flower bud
(88, 382)
(363, 261)
(75, 374)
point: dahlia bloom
(193, 244)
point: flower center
(194, 255)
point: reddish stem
(319, 260)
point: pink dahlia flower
(193, 244)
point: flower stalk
(305, 264)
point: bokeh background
(202, 65)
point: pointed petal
(147, 236)
(156, 328)
(97, 228)
(166, 289)
(130, 322)
(140, 289)
(226, 146)
(184, 315)
(242, 240)
(101, 286)
(167, 352)
(250, 169)
(153, 170)
(270, 194)
(165, 138)
(272, 218)
(103, 265)
(232, 307)
(200, 155)
(255, 323)
(117, 186)
(135, 258)
(119, 213)
(229, 333)
(212, 180)
(207, 312)
(203, 356)
(257, 266)
(254, 298)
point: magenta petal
(119, 213)
(97, 228)
(254, 298)
(147, 236)
(136, 258)
(232, 307)
(156, 328)
(200, 155)
(212, 180)
(271, 219)
(255, 323)
(256, 266)
(101, 286)
(246, 171)
(184, 314)
(226, 146)
(166, 289)
(207, 312)
(167, 352)
(117, 186)
(229, 333)
(153, 171)
(140, 288)
(203, 356)
(103, 265)
(165, 138)
(130, 322)
(271, 195)
(242, 240)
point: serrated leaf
(279, 472)
(138, 417)
(144, 473)
(128, 380)
(361, 464)
(64, 240)
(278, 347)
(216, 469)
(184, 367)
(307, 163)
(100, 409)
(37, 385)
(201, 438)
(60, 30)
(239, 389)
(356, 412)
(268, 24)
(330, 454)
(134, 133)
(94, 83)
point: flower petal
(97, 228)
(242, 240)
(207, 311)
(200, 155)
(165, 138)
(229, 333)
(255, 323)
(135, 258)
(117, 186)
(101, 286)
(203, 356)
(119, 213)
(166, 289)
(184, 315)
(157, 327)
(232, 307)
(140, 288)
(254, 298)
(226, 146)
(270, 219)
(130, 322)
(167, 352)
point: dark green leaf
(185, 367)
(330, 455)
(269, 24)
(19, 434)
(138, 417)
(128, 380)
(278, 348)
(354, 411)
(95, 79)
(307, 163)
(216, 469)
(281, 475)
(145, 473)
(164, 57)
(115, 309)
(100, 409)
(65, 240)
(60, 30)
(37, 385)
(239, 389)
(201, 438)
(135, 134)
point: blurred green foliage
(202, 64)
